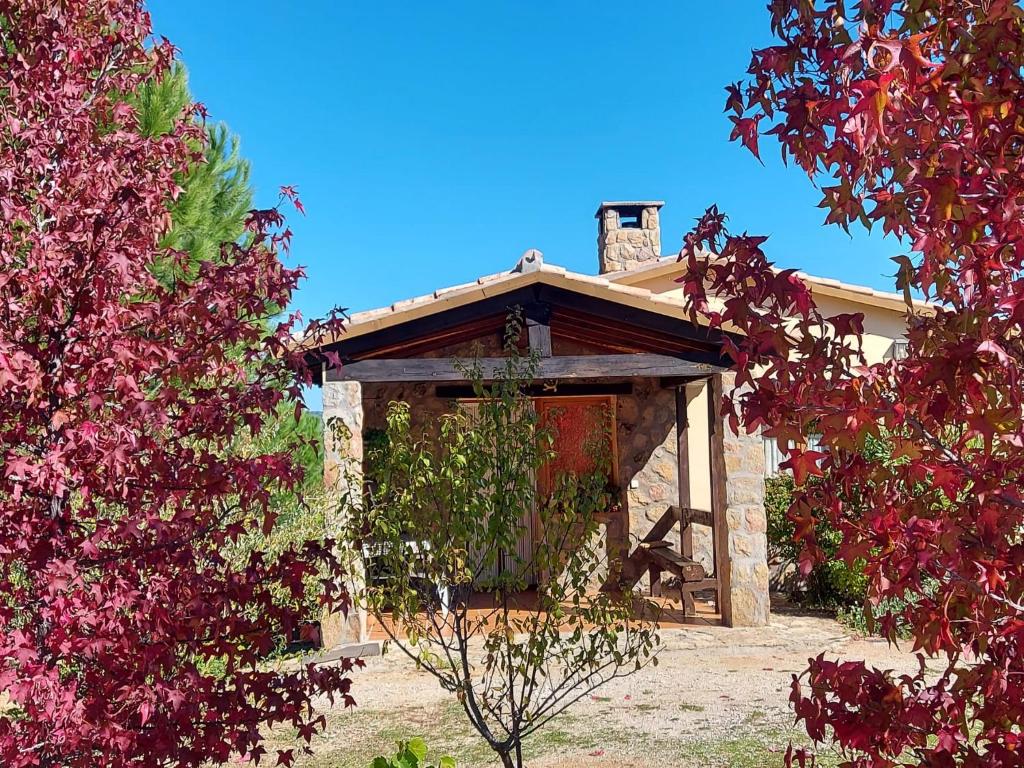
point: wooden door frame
(533, 512)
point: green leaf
(418, 748)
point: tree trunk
(506, 760)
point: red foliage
(913, 115)
(120, 396)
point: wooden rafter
(590, 329)
(603, 324)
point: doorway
(578, 422)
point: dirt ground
(718, 697)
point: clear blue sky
(432, 142)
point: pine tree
(217, 192)
(216, 196)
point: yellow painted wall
(881, 326)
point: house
(692, 490)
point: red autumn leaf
(904, 115)
(118, 492)
(803, 464)
(745, 129)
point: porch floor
(672, 617)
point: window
(898, 350)
(629, 221)
(773, 456)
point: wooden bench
(655, 557)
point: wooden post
(716, 431)
(683, 475)
(538, 328)
(654, 574)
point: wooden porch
(587, 344)
(481, 605)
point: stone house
(692, 491)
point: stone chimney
(628, 234)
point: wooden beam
(699, 586)
(474, 330)
(697, 517)
(561, 367)
(538, 328)
(720, 529)
(460, 391)
(418, 331)
(662, 525)
(683, 479)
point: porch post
(737, 493)
(683, 480)
(343, 477)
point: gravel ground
(718, 697)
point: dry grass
(718, 698)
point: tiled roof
(616, 287)
(667, 265)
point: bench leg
(689, 606)
(654, 573)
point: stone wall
(747, 522)
(649, 461)
(425, 408)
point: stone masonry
(648, 465)
(748, 604)
(343, 473)
(628, 235)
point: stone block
(667, 470)
(756, 519)
(742, 489)
(337, 629)
(750, 606)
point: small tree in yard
(914, 112)
(452, 510)
(125, 388)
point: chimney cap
(620, 205)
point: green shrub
(832, 584)
(411, 754)
(778, 493)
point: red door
(581, 426)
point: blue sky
(432, 142)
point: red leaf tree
(911, 117)
(127, 638)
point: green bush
(832, 584)
(411, 754)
